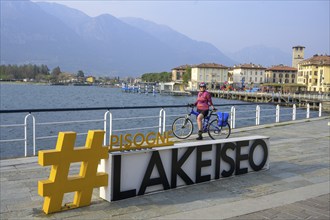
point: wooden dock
(283, 99)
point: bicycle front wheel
(182, 127)
(217, 132)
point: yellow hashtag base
(59, 182)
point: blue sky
(231, 25)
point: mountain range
(56, 35)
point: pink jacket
(204, 100)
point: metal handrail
(111, 108)
(108, 119)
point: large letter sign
(133, 173)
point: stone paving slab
(314, 208)
(295, 187)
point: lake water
(31, 96)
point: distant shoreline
(19, 83)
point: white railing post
(257, 115)
(162, 121)
(277, 115)
(307, 113)
(232, 117)
(34, 135)
(26, 134)
(110, 127)
(294, 112)
(105, 126)
(320, 109)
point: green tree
(157, 77)
(80, 73)
(55, 74)
(186, 77)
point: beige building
(298, 53)
(177, 73)
(248, 74)
(210, 73)
(315, 73)
(281, 74)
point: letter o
(138, 145)
(147, 139)
(263, 144)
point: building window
(178, 75)
(292, 80)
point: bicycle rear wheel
(182, 127)
(216, 132)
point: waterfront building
(178, 72)
(297, 55)
(282, 79)
(230, 75)
(211, 73)
(315, 73)
(281, 74)
(248, 75)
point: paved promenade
(295, 187)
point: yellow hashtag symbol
(59, 182)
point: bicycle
(183, 127)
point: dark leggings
(203, 112)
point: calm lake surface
(31, 96)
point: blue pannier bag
(222, 118)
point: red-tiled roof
(248, 66)
(281, 68)
(211, 65)
(182, 67)
(321, 60)
(298, 46)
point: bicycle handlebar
(191, 105)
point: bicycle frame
(205, 120)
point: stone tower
(297, 55)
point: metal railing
(158, 121)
